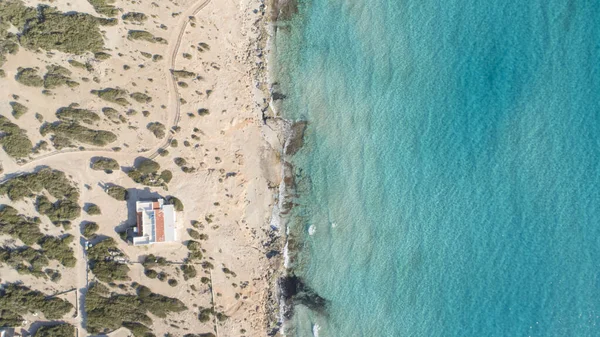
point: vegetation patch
(17, 300)
(57, 76)
(134, 17)
(102, 56)
(182, 74)
(157, 128)
(117, 192)
(71, 114)
(14, 140)
(189, 271)
(141, 97)
(79, 133)
(60, 330)
(29, 77)
(18, 109)
(104, 260)
(61, 210)
(113, 115)
(49, 29)
(89, 229)
(112, 95)
(109, 311)
(30, 184)
(104, 7)
(146, 173)
(171, 200)
(92, 209)
(25, 260)
(58, 249)
(142, 35)
(104, 164)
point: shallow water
(451, 172)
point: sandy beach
(213, 120)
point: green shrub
(182, 73)
(47, 28)
(147, 166)
(180, 161)
(30, 184)
(102, 263)
(172, 282)
(112, 95)
(152, 261)
(93, 209)
(102, 56)
(156, 58)
(57, 76)
(58, 249)
(182, 84)
(188, 271)
(108, 311)
(193, 234)
(203, 112)
(146, 55)
(151, 273)
(25, 260)
(176, 202)
(204, 314)
(104, 7)
(103, 164)
(141, 97)
(62, 209)
(70, 114)
(18, 300)
(117, 192)
(137, 329)
(60, 330)
(144, 36)
(18, 109)
(14, 140)
(157, 128)
(29, 77)
(166, 176)
(89, 228)
(79, 133)
(134, 16)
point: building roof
(155, 222)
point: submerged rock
(294, 291)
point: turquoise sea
(451, 172)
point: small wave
(333, 225)
(286, 257)
(312, 229)
(315, 330)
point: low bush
(62, 209)
(157, 128)
(89, 229)
(112, 95)
(103, 164)
(29, 77)
(93, 209)
(104, 7)
(182, 74)
(102, 56)
(117, 192)
(79, 133)
(147, 166)
(58, 249)
(142, 35)
(17, 300)
(14, 140)
(102, 264)
(60, 330)
(29, 184)
(166, 176)
(189, 271)
(71, 114)
(141, 97)
(135, 17)
(18, 109)
(175, 202)
(108, 311)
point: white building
(155, 222)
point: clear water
(452, 166)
